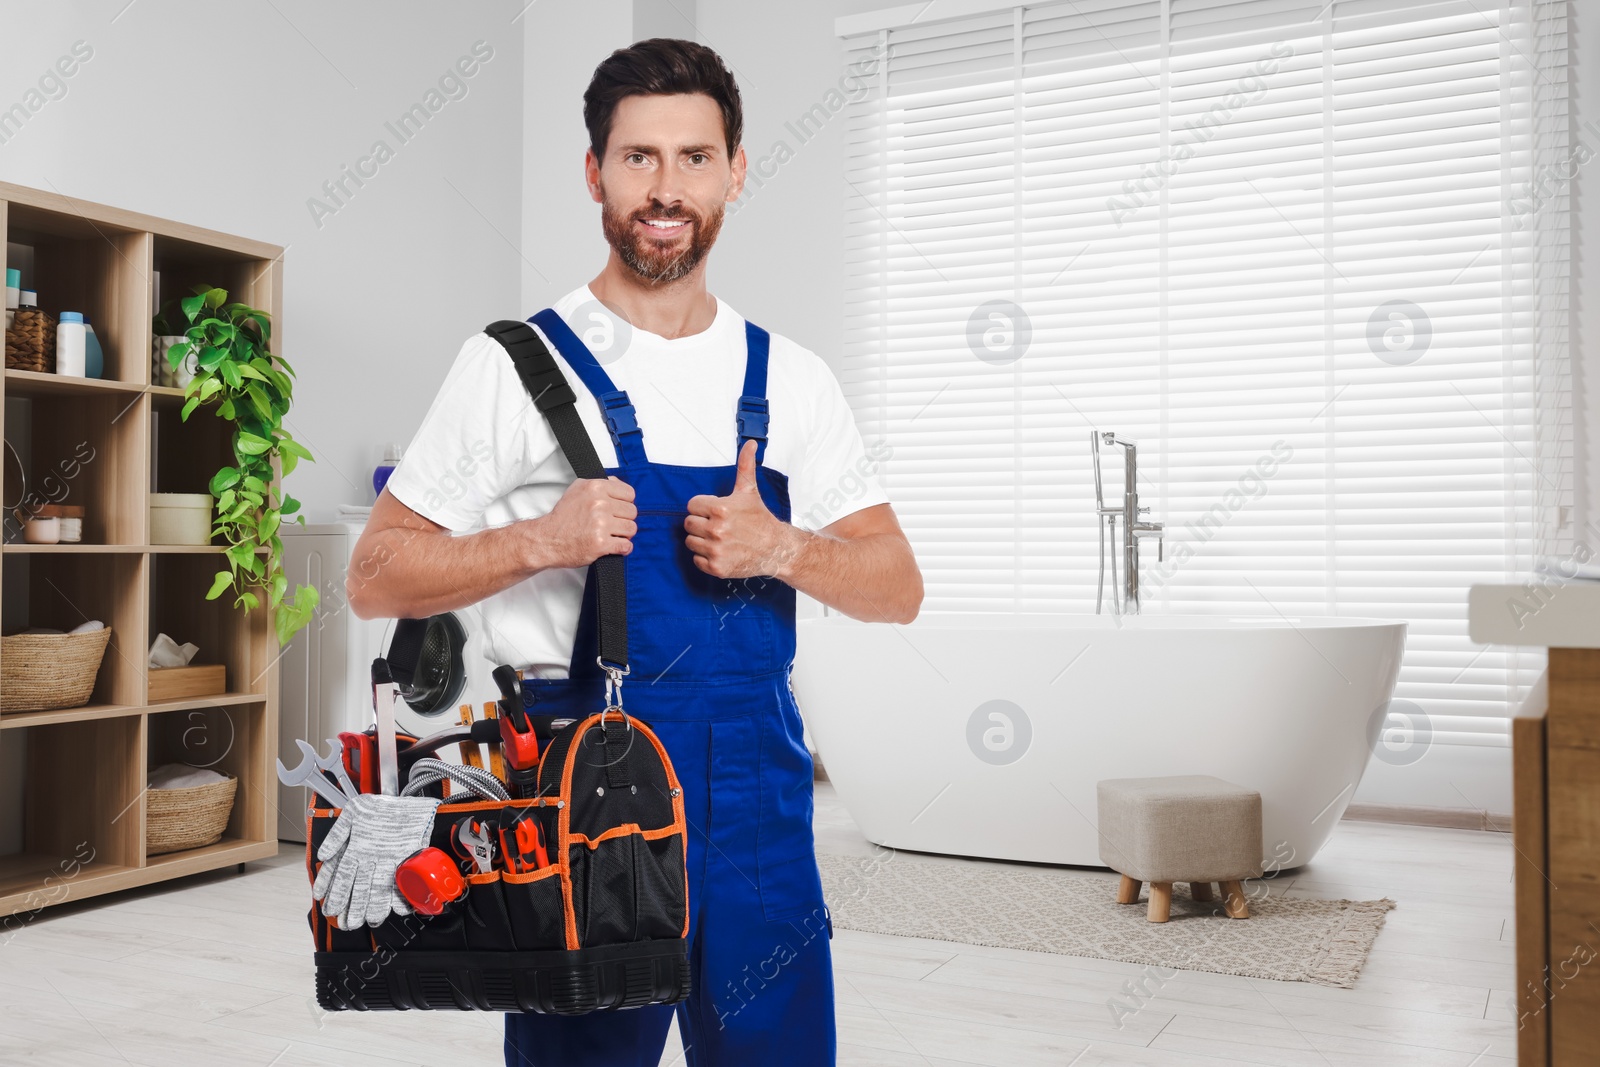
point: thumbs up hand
(735, 536)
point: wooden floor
(217, 968)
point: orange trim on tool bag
(482, 879)
(565, 837)
(531, 876)
(564, 828)
(627, 829)
(481, 805)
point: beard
(659, 261)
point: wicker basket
(39, 672)
(176, 819)
(31, 341)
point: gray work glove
(373, 834)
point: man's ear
(591, 175)
(736, 184)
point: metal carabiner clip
(614, 678)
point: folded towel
(165, 652)
(182, 776)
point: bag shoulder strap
(554, 398)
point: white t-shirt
(484, 456)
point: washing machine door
(452, 669)
(425, 661)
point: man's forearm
(409, 573)
(873, 578)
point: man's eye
(635, 155)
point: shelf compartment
(241, 641)
(62, 590)
(187, 454)
(180, 265)
(89, 449)
(30, 881)
(97, 268)
(82, 793)
(229, 739)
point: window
(1329, 236)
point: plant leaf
(251, 445)
(289, 446)
(191, 306)
(215, 298)
(230, 373)
(224, 478)
(219, 583)
(258, 398)
(192, 403)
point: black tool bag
(605, 924)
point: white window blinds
(1231, 230)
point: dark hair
(659, 66)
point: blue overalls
(709, 662)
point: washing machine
(325, 673)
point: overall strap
(615, 406)
(558, 403)
(752, 417)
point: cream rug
(1289, 940)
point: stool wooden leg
(1200, 891)
(1234, 902)
(1160, 902)
(1128, 890)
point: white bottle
(13, 293)
(70, 345)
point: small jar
(37, 531)
(71, 531)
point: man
(704, 505)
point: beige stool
(1192, 828)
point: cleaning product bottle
(13, 293)
(94, 357)
(71, 346)
(380, 473)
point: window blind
(1301, 252)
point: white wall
(563, 246)
(232, 116)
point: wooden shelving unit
(85, 767)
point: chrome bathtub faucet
(1134, 529)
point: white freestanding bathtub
(984, 734)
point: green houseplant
(252, 390)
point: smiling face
(665, 183)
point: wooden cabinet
(106, 444)
(1556, 749)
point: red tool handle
(526, 851)
(361, 760)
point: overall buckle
(618, 413)
(752, 417)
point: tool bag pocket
(535, 904)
